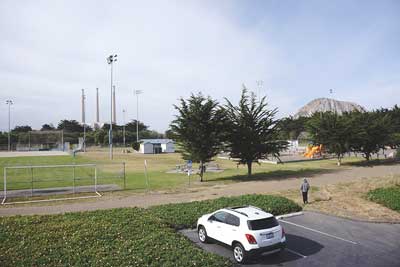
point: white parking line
(296, 253)
(322, 233)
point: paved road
(320, 240)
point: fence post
(31, 182)
(73, 179)
(124, 176)
(145, 173)
(5, 186)
(95, 179)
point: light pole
(110, 60)
(137, 93)
(260, 84)
(9, 103)
(123, 126)
(84, 119)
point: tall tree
(70, 126)
(253, 131)
(198, 129)
(47, 127)
(333, 131)
(374, 132)
(22, 129)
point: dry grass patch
(350, 199)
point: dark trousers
(305, 197)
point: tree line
(365, 133)
(249, 131)
(72, 130)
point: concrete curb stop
(289, 215)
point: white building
(156, 146)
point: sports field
(110, 172)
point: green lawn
(388, 197)
(110, 172)
(117, 237)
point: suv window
(262, 223)
(219, 216)
(232, 220)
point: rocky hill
(327, 104)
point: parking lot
(315, 239)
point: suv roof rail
(234, 210)
(256, 208)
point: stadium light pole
(137, 93)
(260, 84)
(110, 60)
(9, 103)
(123, 126)
(84, 119)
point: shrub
(118, 237)
(185, 215)
(389, 197)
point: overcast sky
(50, 50)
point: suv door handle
(234, 230)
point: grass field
(157, 166)
(389, 197)
(117, 237)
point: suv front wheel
(202, 234)
(239, 254)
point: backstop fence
(38, 183)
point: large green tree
(199, 129)
(374, 132)
(253, 131)
(333, 131)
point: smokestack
(83, 106)
(114, 107)
(97, 106)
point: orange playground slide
(312, 150)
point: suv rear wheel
(239, 254)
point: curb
(354, 219)
(289, 215)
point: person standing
(305, 186)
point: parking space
(314, 239)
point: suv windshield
(262, 223)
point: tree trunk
(367, 156)
(201, 170)
(339, 160)
(249, 163)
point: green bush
(185, 215)
(118, 237)
(389, 197)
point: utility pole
(110, 60)
(9, 103)
(137, 93)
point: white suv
(248, 230)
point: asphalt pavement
(315, 239)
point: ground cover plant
(185, 215)
(388, 197)
(118, 237)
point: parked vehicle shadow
(296, 245)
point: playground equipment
(311, 151)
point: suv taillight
(251, 239)
(283, 232)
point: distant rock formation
(327, 104)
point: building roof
(156, 141)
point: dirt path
(201, 193)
